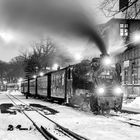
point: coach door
(69, 90)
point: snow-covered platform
(94, 127)
(133, 106)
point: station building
(121, 31)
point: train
(9, 87)
(12, 86)
(90, 85)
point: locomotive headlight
(100, 90)
(117, 91)
(107, 61)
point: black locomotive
(91, 85)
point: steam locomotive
(91, 85)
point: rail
(43, 130)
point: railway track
(127, 120)
(47, 127)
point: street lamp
(41, 73)
(4, 82)
(78, 56)
(34, 76)
(55, 66)
(20, 80)
(135, 38)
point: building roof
(122, 19)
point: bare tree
(47, 52)
(3, 71)
(40, 57)
(43, 51)
(15, 69)
(110, 8)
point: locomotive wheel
(118, 108)
(94, 104)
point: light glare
(136, 37)
(34, 76)
(20, 80)
(100, 90)
(41, 73)
(78, 57)
(5, 82)
(118, 90)
(7, 37)
(107, 61)
(55, 66)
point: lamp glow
(55, 66)
(117, 90)
(100, 90)
(136, 37)
(6, 36)
(34, 76)
(41, 73)
(107, 61)
(20, 80)
(5, 82)
(78, 56)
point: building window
(124, 30)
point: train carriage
(12, 86)
(58, 85)
(22, 87)
(32, 87)
(25, 87)
(42, 86)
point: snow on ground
(15, 120)
(18, 119)
(14, 92)
(94, 127)
(133, 105)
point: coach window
(126, 76)
(138, 71)
(63, 78)
(134, 72)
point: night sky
(24, 21)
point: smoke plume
(59, 17)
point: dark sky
(24, 21)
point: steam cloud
(52, 16)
